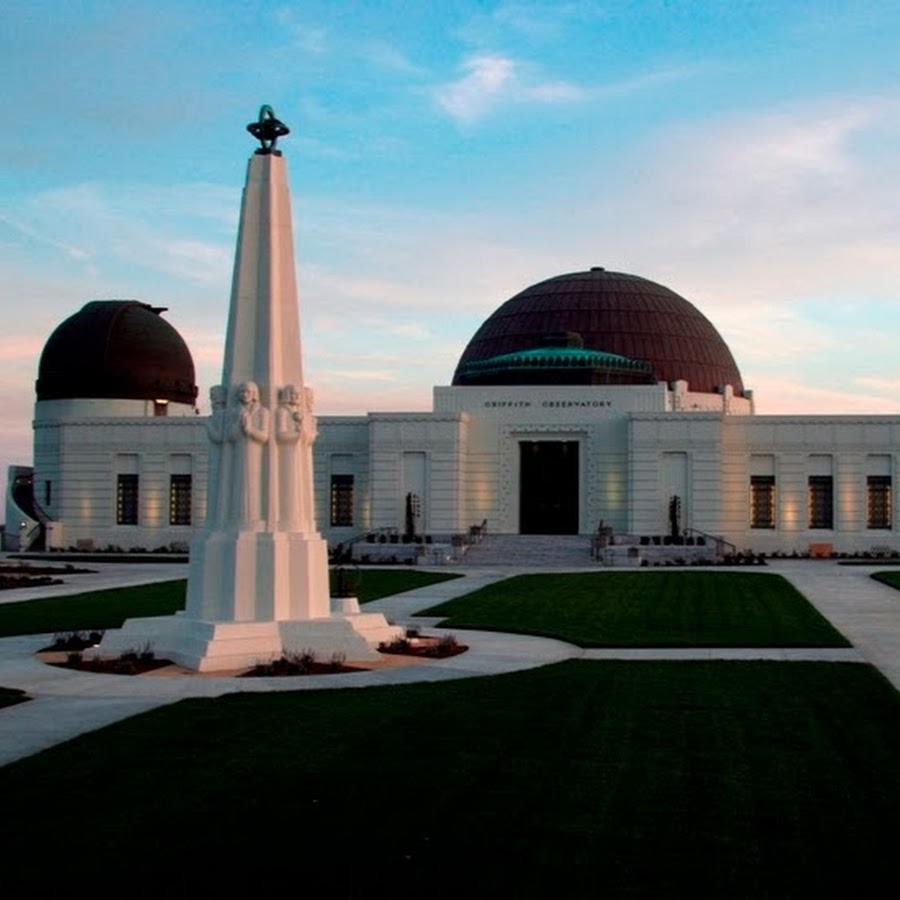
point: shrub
(301, 663)
(397, 645)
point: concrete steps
(544, 551)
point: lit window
(821, 501)
(762, 501)
(341, 500)
(878, 501)
(179, 499)
(127, 500)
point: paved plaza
(67, 703)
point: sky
(445, 156)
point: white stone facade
(112, 474)
(637, 447)
(742, 477)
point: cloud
(533, 22)
(123, 226)
(332, 49)
(32, 233)
(387, 57)
(306, 39)
(470, 97)
(755, 209)
(777, 395)
(490, 80)
(21, 348)
(782, 226)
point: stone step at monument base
(228, 646)
(531, 550)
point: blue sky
(444, 156)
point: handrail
(720, 541)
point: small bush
(397, 645)
(301, 663)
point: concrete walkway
(68, 703)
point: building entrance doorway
(548, 487)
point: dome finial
(267, 129)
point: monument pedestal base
(226, 646)
(247, 575)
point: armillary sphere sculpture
(267, 129)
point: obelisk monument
(258, 577)
(260, 557)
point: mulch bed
(19, 576)
(286, 668)
(117, 666)
(67, 647)
(423, 647)
(11, 582)
(28, 569)
(74, 640)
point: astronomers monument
(258, 578)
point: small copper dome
(116, 349)
(614, 313)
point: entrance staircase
(543, 551)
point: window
(179, 499)
(762, 501)
(127, 500)
(821, 503)
(878, 501)
(341, 500)
(48, 493)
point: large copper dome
(116, 349)
(613, 313)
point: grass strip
(647, 609)
(373, 584)
(98, 610)
(94, 610)
(891, 579)
(626, 779)
(11, 696)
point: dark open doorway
(548, 487)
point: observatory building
(591, 397)
(598, 396)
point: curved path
(68, 703)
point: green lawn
(647, 609)
(892, 579)
(373, 584)
(692, 779)
(110, 608)
(11, 696)
(95, 610)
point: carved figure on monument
(309, 431)
(295, 430)
(218, 474)
(248, 431)
(289, 426)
